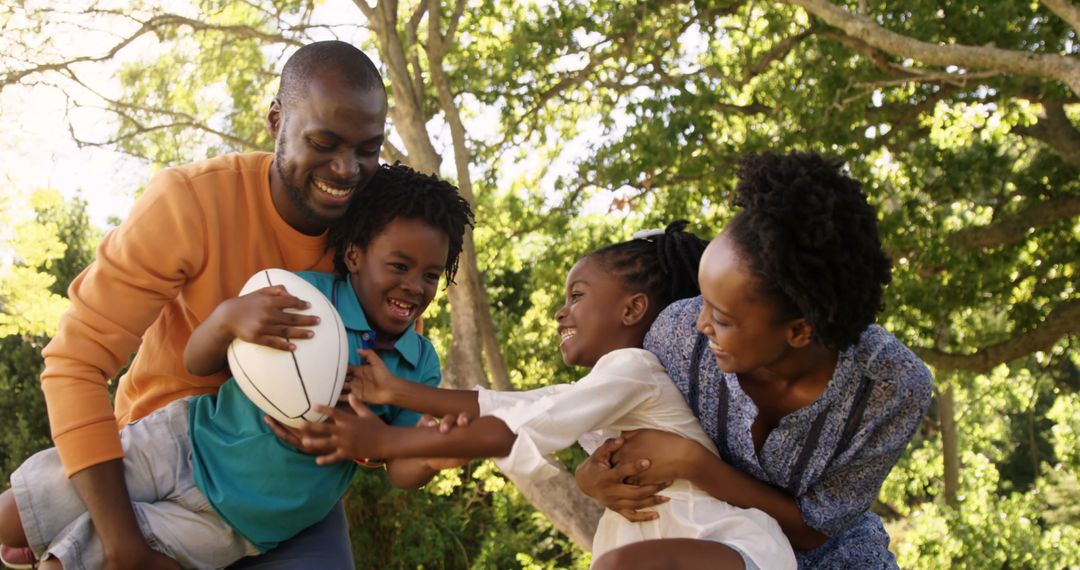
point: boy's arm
(257, 317)
(375, 384)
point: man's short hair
(352, 66)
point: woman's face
(741, 325)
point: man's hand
(106, 498)
(372, 382)
(260, 318)
(347, 434)
(606, 483)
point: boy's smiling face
(396, 276)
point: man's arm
(139, 267)
(106, 497)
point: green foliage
(467, 518)
(49, 251)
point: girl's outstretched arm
(375, 384)
(360, 434)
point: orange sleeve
(141, 265)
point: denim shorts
(174, 515)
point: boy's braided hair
(397, 191)
(663, 265)
(811, 241)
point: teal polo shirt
(261, 486)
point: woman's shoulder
(675, 324)
(881, 357)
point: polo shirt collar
(352, 314)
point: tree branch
(1014, 227)
(153, 25)
(1064, 320)
(1065, 10)
(1056, 130)
(1051, 66)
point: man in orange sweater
(191, 241)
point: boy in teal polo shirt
(209, 477)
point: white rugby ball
(287, 385)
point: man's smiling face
(328, 143)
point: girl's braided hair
(663, 265)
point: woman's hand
(672, 456)
(606, 483)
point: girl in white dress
(612, 297)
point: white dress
(628, 389)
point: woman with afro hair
(809, 402)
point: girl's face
(591, 322)
(396, 276)
(742, 326)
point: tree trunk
(950, 449)
(472, 328)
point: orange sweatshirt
(190, 242)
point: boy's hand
(288, 434)
(260, 318)
(348, 434)
(372, 382)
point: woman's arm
(673, 457)
(716, 477)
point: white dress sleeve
(547, 421)
(494, 399)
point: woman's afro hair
(811, 241)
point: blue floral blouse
(831, 456)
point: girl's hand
(444, 425)
(260, 318)
(346, 435)
(606, 483)
(372, 382)
(672, 456)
